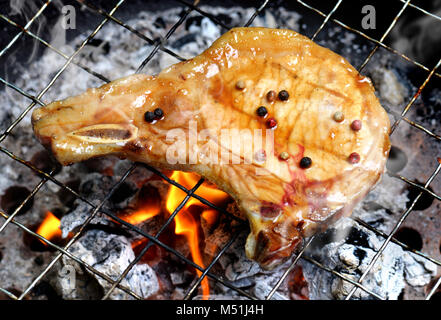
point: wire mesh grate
(154, 240)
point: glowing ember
(142, 214)
(210, 215)
(185, 222)
(148, 206)
(50, 227)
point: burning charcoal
(77, 217)
(238, 268)
(95, 186)
(387, 278)
(232, 295)
(140, 175)
(177, 278)
(215, 239)
(379, 206)
(18, 266)
(246, 273)
(297, 284)
(111, 254)
(241, 269)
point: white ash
(391, 90)
(15, 254)
(387, 278)
(95, 186)
(111, 254)
(418, 274)
(78, 216)
(244, 273)
(179, 278)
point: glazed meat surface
(320, 147)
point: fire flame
(50, 227)
(142, 214)
(210, 215)
(185, 222)
(148, 206)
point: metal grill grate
(154, 240)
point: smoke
(418, 37)
(18, 7)
(18, 56)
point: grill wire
(153, 240)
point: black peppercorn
(149, 116)
(305, 163)
(262, 111)
(158, 113)
(283, 95)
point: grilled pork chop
(288, 128)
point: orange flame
(185, 222)
(210, 215)
(142, 214)
(148, 206)
(50, 227)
